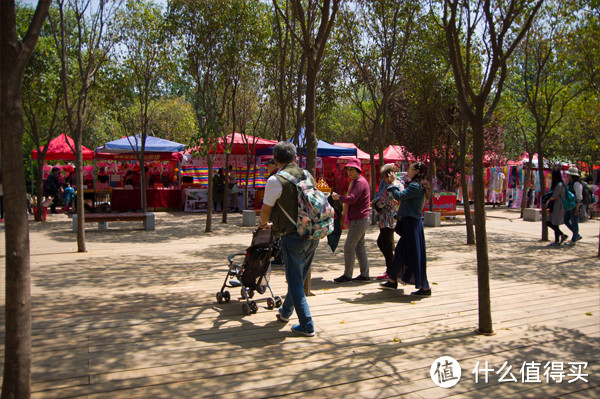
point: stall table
(128, 199)
(196, 199)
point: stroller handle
(230, 257)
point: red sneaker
(384, 276)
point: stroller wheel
(246, 308)
(278, 301)
(250, 293)
(270, 303)
(226, 296)
(219, 297)
(244, 293)
(253, 307)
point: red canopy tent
(60, 149)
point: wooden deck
(136, 317)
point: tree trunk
(40, 189)
(226, 191)
(81, 246)
(465, 186)
(17, 343)
(483, 265)
(209, 161)
(310, 133)
(14, 55)
(311, 137)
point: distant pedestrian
(410, 257)
(556, 216)
(218, 189)
(572, 216)
(358, 201)
(68, 196)
(53, 188)
(386, 207)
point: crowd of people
(399, 208)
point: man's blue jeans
(298, 254)
(572, 222)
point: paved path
(136, 317)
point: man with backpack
(572, 216)
(281, 199)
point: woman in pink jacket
(358, 201)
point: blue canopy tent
(323, 149)
(154, 149)
(134, 143)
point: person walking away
(271, 170)
(52, 188)
(358, 201)
(386, 207)
(218, 189)
(298, 252)
(410, 257)
(572, 216)
(556, 216)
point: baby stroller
(253, 274)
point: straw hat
(354, 163)
(573, 171)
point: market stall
(246, 166)
(61, 150)
(118, 163)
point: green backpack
(568, 199)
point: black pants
(557, 232)
(54, 196)
(385, 242)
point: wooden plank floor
(136, 317)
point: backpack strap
(287, 176)
(286, 214)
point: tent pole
(31, 167)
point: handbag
(397, 228)
(376, 207)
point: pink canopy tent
(240, 143)
(360, 154)
(396, 153)
(60, 149)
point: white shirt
(273, 191)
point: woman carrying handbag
(410, 258)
